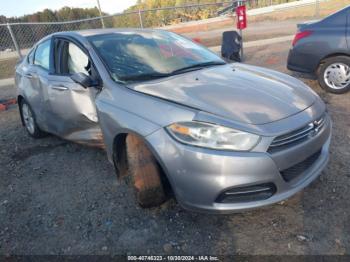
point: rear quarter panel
(31, 90)
(329, 37)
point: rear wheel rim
(28, 118)
(337, 76)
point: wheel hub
(337, 75)
(28, 118)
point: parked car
(322, 48)
(176, 118)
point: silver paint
(244, 97)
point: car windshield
(142, 55)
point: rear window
(337, 19)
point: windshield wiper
(149, 76)
(196, 67)
(143, 77)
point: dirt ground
(6, 67)
(58, 197)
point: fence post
(317, 9)
(140, 17)
(101, 17)
(14, 40)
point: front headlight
(212, 136)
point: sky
(21, 7)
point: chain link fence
(17, 38)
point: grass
(325, 9)
(298, 13)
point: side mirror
(84, 80)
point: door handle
(30, 76)
(60, 88)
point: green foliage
(165, 17)
(63, 14)
(150, 18)
(173, 16)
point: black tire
(329, 63)
(144, 172)
(31, 126)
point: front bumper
(198, 176)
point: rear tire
(145, 173)
(334, 74)
(29, 121)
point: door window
(78, 61)
(42, 55)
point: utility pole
(140, 18)
(99, 9)
(242, 52)
(14, 40)
(317, 9)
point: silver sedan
(175, 118)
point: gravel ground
(58, 197)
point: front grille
(293, 172)
(298, 135)
(247, 194)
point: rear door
(35, 77)
(72, 107)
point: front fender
(121, 110)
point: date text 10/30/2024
(172, 258)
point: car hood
(239, 92)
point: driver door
(72, 106)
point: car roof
(92, 32)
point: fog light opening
(247, 194)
